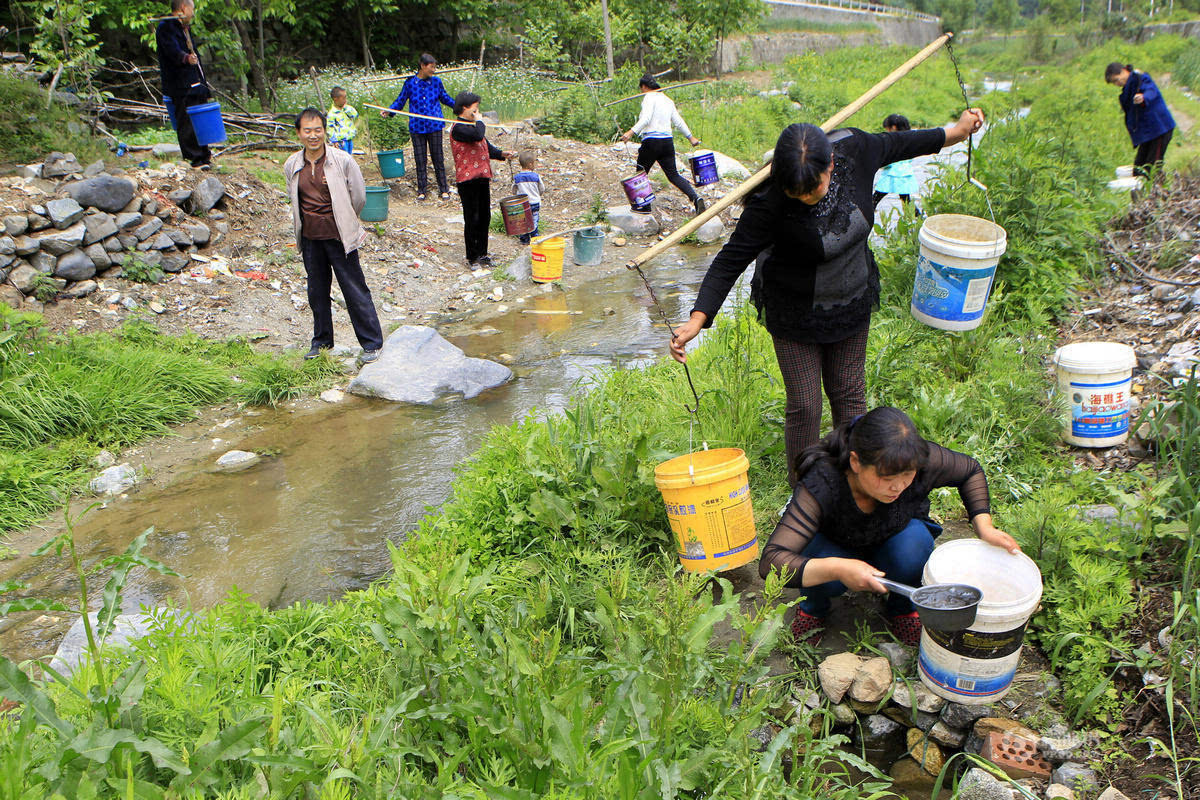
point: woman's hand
(685, 333)
(1139, 98)
(859, 576)
(970, 122)
(695, 142)
(993, 535)
(627, 135)
(509, 154)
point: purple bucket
(639, 191)
(704, 168)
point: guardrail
(859, 7)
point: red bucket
(517, 215)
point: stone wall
(1189, 29)
(757, 49)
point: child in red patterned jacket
(473, 154)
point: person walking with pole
(327, 193)
(182, 77)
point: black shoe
(314, 352)
(700, 205)
(368, 356)
(484, 261)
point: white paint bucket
(1125, 171)
(1130, 184)
(977, 665)
(1094, 378)
(954, 273)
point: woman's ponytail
(884, 438)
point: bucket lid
(1099, 357)
(696, 153)
(704, 466)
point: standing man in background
(183, 77)
(425, 94)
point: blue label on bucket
(1099, 410)
(950, 293)
(965, 685)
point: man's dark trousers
(324, 258)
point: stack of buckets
(955, 269)
(707, 495)
(977, 665)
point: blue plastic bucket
(391, 163)
(704, 168)
(207, 122)
(954, 272)
(588, 247)
(170, 104)
(376, 207)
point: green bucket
(376, 207)
(391, 163)
(588, 247)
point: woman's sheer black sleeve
(793, 533)
(947, 467)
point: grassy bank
(536, 640)
(64, 397)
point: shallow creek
(311, 522)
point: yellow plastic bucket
(547, 258)
(707, 495)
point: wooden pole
(663, 89)
(757, 178)
(381, 78)
(502, 125)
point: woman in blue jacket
(1147, 118)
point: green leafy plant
(44, 288)
(139, 270)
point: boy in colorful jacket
(342, 121)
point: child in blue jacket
(1147, 117)
(425, 95)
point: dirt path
(414, 261)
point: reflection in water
(312, 521)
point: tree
(65, 42)
(1003, 14)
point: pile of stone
(97, 221)
(906, 729)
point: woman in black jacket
(820, 284)
(861, 511)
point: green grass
(62, 398)
(31, 131)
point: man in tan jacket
(327, 192)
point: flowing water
(312, 521)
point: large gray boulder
(64, 212)
(43, 262)
(206, 194)
(58, 242)
(75, 266)
(711, 231)
(105, 192)
(166, 150)
(978, 784)
(419, 366)
(632, 222)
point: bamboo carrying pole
(663, 89)
(502, 125)
(381, 78)
(754, 180)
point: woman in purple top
(426, 95)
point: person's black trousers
(663, 152)
(192, 150)
(1151, 154)
(324, 258)
(476, 196)
(430, 143)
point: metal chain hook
(962, 86)
(666, 321)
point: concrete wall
(758, 49)
(1189, 29)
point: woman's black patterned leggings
(841, 367)
(663, 152)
